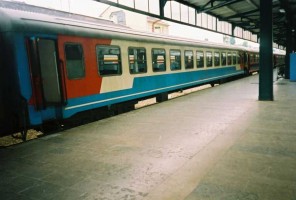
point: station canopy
(238, 18)
(245, 14)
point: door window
(74, 61)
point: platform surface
(218, 143)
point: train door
(45, 72)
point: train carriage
(56, 65)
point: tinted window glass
(209, 59)
(188, 59)
(223, 58)
(234, 61)
(239, 59)
(74, 61)
(158, 60)
(200, 59)
(175, 59)
(217, 59)
(137, 60)
(109, 62)
(257, 57)
(252, 58)
(229, 59)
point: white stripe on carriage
(120, 97)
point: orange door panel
(80, 81)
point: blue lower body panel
(147, 86)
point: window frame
(186, 60)
(257, 58)
(164, 60)
(180, 62)
(251, 58)
(200, 52)
(129, 60)
(234, 58)
(229, 61)
(209, 53)
(119, 60)
(223, 58)
(219, 60)
(239, 58)
(83, 59)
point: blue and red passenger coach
(56, 65)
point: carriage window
(175, 59)
(223, 58)
(234, 61)
(251, 58)
(74, 61)
(137, 60)
(200, 59)
(188, 59)
(217, 59)
(257, 58)
(239, 58)
(209, 59)
(229, 59)
(158, 60)
(109, 62)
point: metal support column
(266, 52)
(161, 8)
(232, 31)
(288, 50)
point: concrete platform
(218, 143)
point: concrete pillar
(266, 52)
